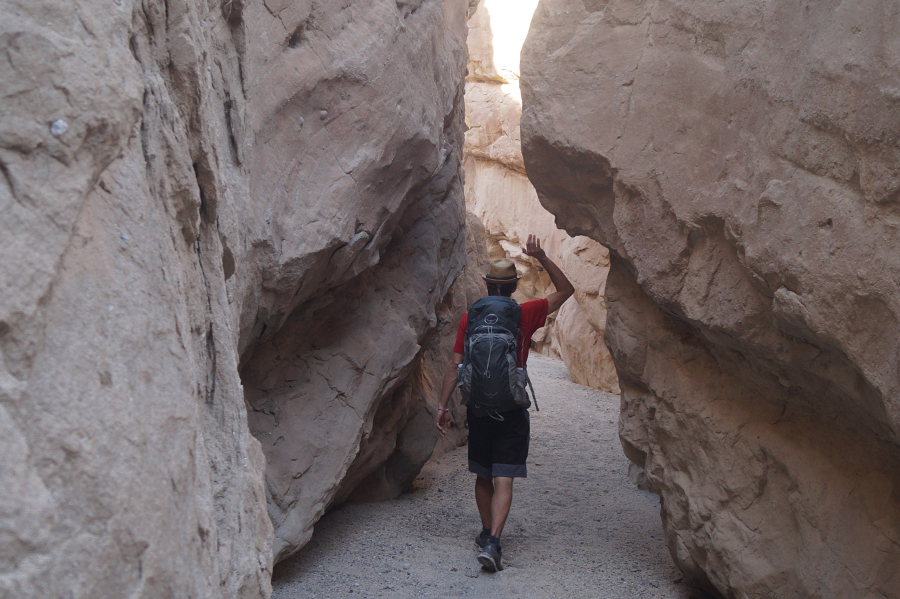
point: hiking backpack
(489, 378)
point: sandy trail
(578, 527)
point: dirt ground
(578, 527)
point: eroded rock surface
(497, 190)
(741, 162)
(190, 189)
(580, 326)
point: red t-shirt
(534, 316)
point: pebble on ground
(578, 527)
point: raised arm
(564, 289)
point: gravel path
(578, 527)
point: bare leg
(484, 494)
(500, 503)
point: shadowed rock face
(193, 192)
(741, 162)
(362, 279)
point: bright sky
(509, 24)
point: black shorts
(499, 448)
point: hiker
(498, 440)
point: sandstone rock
(508, 207)
(497, 190)
(403, 434)
(586, 264)
(361, 292)
(128, 469)
(741, 162)
(344, 365)
(185, 184)
(477, 260)
(583, 349)
(581, 332)
(492, 114)
(500, 194)
(637, 476)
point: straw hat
(502, 271)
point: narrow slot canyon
(578, 526)
(237, 239)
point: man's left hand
(533, 247)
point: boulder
(581, 332)
(403, 434)
(741, 162)
(583, 349)
(210, 207)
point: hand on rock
(533, 247)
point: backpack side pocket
(519, 381)
(464, 382)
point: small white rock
(58, 127)
(323, 114)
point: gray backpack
(489, 379)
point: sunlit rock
(500, 194)
(581, 324)
(741, 162)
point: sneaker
(482, 538)
(490, 558)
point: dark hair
(504, 289)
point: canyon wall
(498, 191)
(741, 161)
(202, 200)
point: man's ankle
(492, 540)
